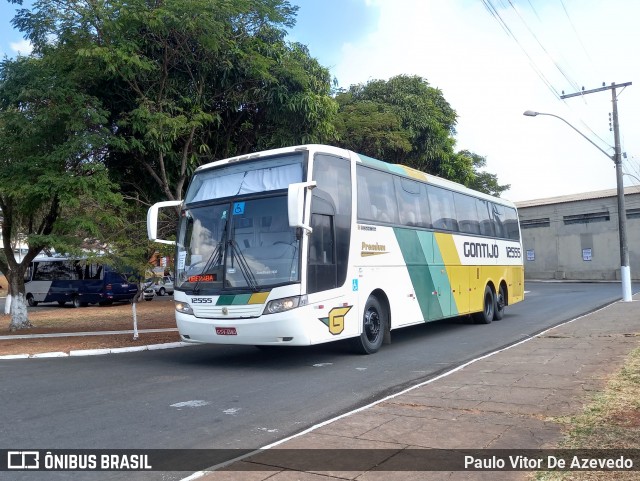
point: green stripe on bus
(427, 272)
(225, 300)
(241, 299)
(445, 298)
(416, 262)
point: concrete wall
(560, 245)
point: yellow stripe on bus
(258, 298)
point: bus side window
(364, 203)
(442, 208)
(412, 208)
(467, 214)
(511, 224)
(322, 271)
(321, 242)
(498, 219)
(376, 196)
(484, 216)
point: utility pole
(625, 270)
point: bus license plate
(226, 331)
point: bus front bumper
(286, 328)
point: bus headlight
(184, 308)
(284, 304)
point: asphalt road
(242, 397)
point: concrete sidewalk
(502, 401)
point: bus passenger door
(322, 270)
(329, 241)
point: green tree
(483, 181)
(54, 188)
(127, 248)
(189, 82)
(404, 120)
(425, 117)
(372, 128)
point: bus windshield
(237, 245)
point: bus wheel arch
(375, 324)
(386, 305)
(502, 300)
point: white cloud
(488, 79)
(23, 47)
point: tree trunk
(7, 304)
(7, 301)
(18, 310)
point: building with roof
(576, 236)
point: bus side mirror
(296, 204)
(152, 220)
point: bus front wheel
(31, 301)
(488, 307)
(374, 320)
(76, 301)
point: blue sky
(491, 77)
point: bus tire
(76, 301)
(488, 307)
(31, 301)
(501, 302)
(374, 321)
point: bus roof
(397, 169)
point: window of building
(633, 213)
(586, 218)
(533, 223)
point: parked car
(148, 293)
(161, 285)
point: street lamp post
(625, 270)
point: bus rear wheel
(31, 301)
(501, 301)
(374, 321)
(488, 307)
(76, 301)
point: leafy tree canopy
(54, 188)
(406, 121)
(188, 82)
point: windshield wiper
(215, 259)
(246, 271)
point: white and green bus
(312, 244)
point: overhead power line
(494, 12)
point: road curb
(97, 352)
